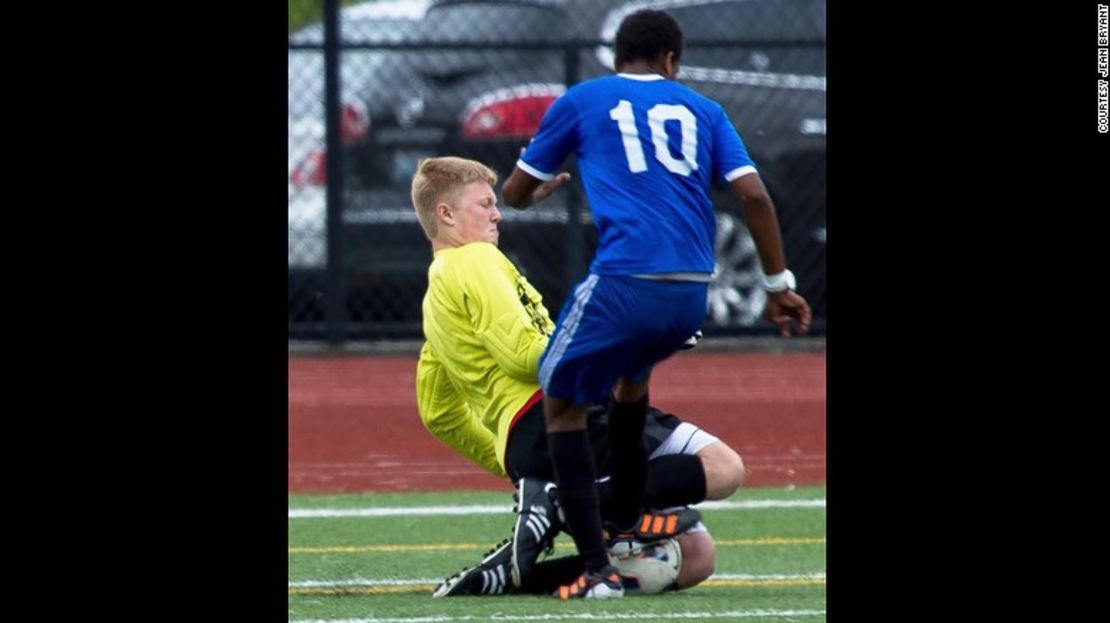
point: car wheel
(736, 296)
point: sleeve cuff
(536, 173)
(739, 172)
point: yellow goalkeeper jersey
(485, 328)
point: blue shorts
(616, 326)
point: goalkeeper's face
(475, 214)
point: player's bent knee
(724, 471)
(699, 558)
(627, 391)
(562, 415)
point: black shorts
(527, 457)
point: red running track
(353, 424)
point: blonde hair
(438, 180)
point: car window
(497, 22)
(740, 20)
(781, 20)
(784, 20)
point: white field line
(445, 547)
(421, 581)
(580, 616)
(490, 509)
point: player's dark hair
(646, 34)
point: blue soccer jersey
(647, 148)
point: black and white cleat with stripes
(489, 577)
(537, 524)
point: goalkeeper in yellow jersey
(485, 328)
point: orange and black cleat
(604, 584)
(653, 526)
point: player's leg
(580, 367)
(688, 456)
(671, 312)
(628, 452)
(671, 479)
(699, 558)
(528, 464)
(575, 473)
(724, 470)
(527, 459)
(540, 517)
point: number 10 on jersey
(657, 116)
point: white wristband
(779, 282)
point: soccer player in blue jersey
(648, 150)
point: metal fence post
(576, 247)
(335, 312)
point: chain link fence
(420, 78)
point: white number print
(622, 114)
(657, 117)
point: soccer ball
(651, 569)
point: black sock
(674, 480)
(546, 577)
(605, 495)
(576, 477)
(628, 460)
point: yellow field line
(774, 540)
(362, 590)
(386, 548)
(776, 582)
(365, 549)
(423, 588)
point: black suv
(763, 60)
